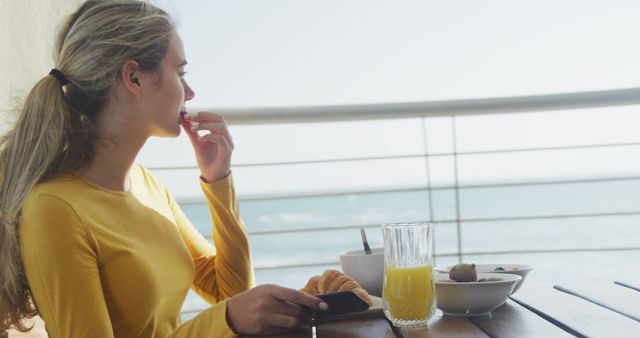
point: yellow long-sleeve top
(103, 263)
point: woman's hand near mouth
(213, 150)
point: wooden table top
(581, 310)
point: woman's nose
(188, 92)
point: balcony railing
(427, 110)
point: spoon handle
(367, 249)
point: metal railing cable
(458, 254)
(408, 156)
(416, 189)
(443, 221)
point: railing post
(428, 172)
(456, 186)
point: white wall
(27, 34)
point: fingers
(301, 298)
(213, 138)
(303, 314)
(291, 308)
(213, 149)
(220, 127)
(208, 121)
(192, 135)
(266, 308)
(204, 117)
(216, 128)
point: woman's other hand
(213, 150)
(270, 309)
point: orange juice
(409, 293)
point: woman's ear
(130, 76)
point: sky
(299, 52)
(290, 53)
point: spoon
(367, 249)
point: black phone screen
(342, 302)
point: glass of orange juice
(408, 292)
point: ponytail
(25, 154)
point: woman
(93, 242)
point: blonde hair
(54, 134)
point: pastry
(334, 281)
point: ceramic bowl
(516, 269)
(366, 269)
(471, 299)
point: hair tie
(59, 76)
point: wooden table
(581, 310)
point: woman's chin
(173, 133)
(177, 131)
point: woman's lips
(183, 120)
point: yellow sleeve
(61, 265)
(209, 323)
(225, 270)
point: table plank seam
(396, 331)
(550, 319)
(596, 302)
(627, 285)
(481, 329)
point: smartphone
(342, 302)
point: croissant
(335, 281)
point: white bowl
(516, 269)
(470, 299)
(367, 270)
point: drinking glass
(408, 292)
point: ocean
(579, 218)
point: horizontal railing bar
(476, 253)
(541, 217)
(407, 156)
(302, 162)
(249, 198)
(466, 220)
(536, 183)
(302, 265)
(287, 231)
(500, 105)
(539, 149)
(522, 252)
(199, 200)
